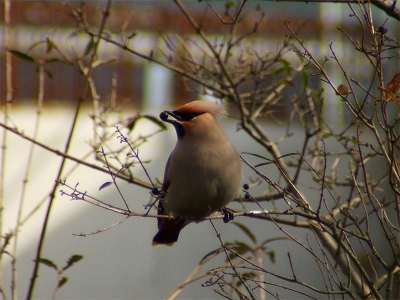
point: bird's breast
(202, 179)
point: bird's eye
(164, 116)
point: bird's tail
(168, 233)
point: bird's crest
(200, 107)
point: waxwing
(203, 172)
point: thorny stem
(135, 154)
(25, 180)
(107, 166)
(360, 114)
(77, 160)
(190, 278)
(7, 107)
(387, 6)
(248, 123)
(231, 263)
(332, 241)
(66, 148)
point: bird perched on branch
(203, 172)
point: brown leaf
(343, 90)
(394, 84)
(388, 95)
(391, 90)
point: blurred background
(120, 263)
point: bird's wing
(160, 211)
(166, 181)
(164, 188)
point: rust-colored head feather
(199, 107)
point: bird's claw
(228, 215)
(180, 219)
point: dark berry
(382, 29)
(155, 191)
(164, 116)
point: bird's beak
(174, 114)
(177, 121)
(164, 116)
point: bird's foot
(180, 219)
(228, 214)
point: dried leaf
(389, 93)
(240, 248)
(51, 60)
(48, 263)
(63, 281)
(48, 73)
(50, 46)
(104, 185)
(394, 84)
(343, 90)
(247, 231)
(89, 47)
(271, 255)
(286, 66)
(23, 56)
(391, 90)
(73, 259)
(245, 277)
(211, 254)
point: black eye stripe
(185, 117)
(178, 116)
(188, 117)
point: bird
(203, 172)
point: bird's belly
(205, 181)
(194, 199)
